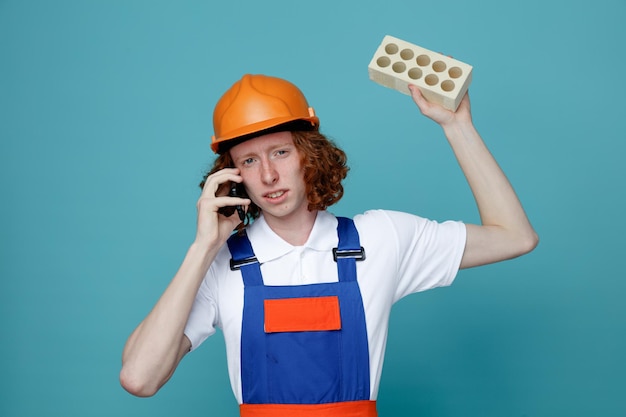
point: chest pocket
(302, 314)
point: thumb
(418, 98)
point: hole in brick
(391, 48)
(447, 85)
(432, 79)
(423, 60)
(439, 66)
(415, 73)
(407, 54)
(399, 67)
(383, 61)
(455, 72)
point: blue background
(105, 125)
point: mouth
(275, 194)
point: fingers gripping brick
(441, 79)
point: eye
(247, 161)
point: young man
(302, 297)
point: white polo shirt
(404, 254)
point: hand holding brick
(441, 79)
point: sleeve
(421, 254)
(203, 316)
(430, 252)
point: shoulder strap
(349, 249)
(243, 258)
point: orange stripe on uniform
(302, 314)
(363, 408)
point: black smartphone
(236, 190)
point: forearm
(497, 202)
(153, 350)
(506, 230)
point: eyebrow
(283, 145)
(270, 149)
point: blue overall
(303, 367)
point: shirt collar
(269, 246)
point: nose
(268, 174)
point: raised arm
(505, 231)
(157, 345)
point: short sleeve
(203, 316)
(430, 252)
(419, 253)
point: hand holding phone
(236, 190)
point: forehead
(261, 144)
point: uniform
(403, 254)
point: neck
(294, 231)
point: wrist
(200, 255)
(457, 126)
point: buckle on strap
(358, 255)
(236, 265)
